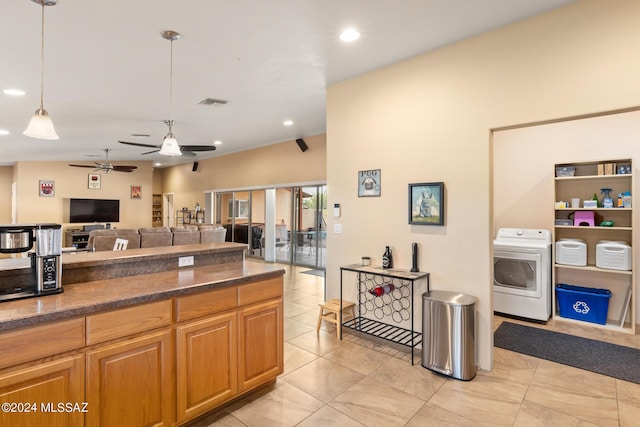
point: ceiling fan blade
(150, 152)
(137, 144)
(198, 147)
(187, 153)
(124, 168)
(84, 166)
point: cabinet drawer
(127, 321)
(198, 305)
(259, 291)
(36, 342)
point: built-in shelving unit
(588, 179)
(156, 212)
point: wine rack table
(381, 316)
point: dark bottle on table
(387, 258)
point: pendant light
(41, 125)
(170, 145)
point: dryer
(522, 261)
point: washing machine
(522, 262)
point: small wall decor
(426, 203)
(136, 192)
(94, 181)
(369, 183)
(47, 188)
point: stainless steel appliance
(41, 273)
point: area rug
(596, 356)
(314, 272)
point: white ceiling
(107, 66)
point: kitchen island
(149, 343)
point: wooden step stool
(329, 311)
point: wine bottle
(387, 258)
(378, 291)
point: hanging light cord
(42, 62)
(171, 90)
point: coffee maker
(44, 275)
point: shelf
(385, 331)
(594, 268)
(594, 209)
(574, 227)
(621, 283)
(593, 177)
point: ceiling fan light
(170, 146)
(41, 126)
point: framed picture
(94, 181)
(426, 203)
(47, 188)
(369, 183)
(136, 192)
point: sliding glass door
(286, 224)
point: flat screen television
(94, 210)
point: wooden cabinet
(206, 364)
(260, 343)
(130, 383)
(154, 364)
(44, 385)
(581, 181)
(233, 340)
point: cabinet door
(44, 385)
(206, 364)
(260, 343)
(129, 383)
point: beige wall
(73, 182)
(429, 119)
(275, 164)
(6, 178)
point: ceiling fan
(170, 146)
(187, 150)
(107, 167)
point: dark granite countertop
(90, 259)
(85, 298)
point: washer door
(517, 273)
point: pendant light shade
(170, 145)
(41, 126)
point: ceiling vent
(213, 101)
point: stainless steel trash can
(448, 334)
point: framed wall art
(136, 192)
(369, 183)
(94, 181)
(426, 203)
(47, 188)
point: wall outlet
(185, 261)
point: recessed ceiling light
(14, 92)
(157, 164)
(217, 142)
(287, 122)
(4, 132)
(349, 35)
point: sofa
(150, 237)
(187, 235)
(105, 239)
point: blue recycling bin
(581, 303)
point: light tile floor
(361, 381)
